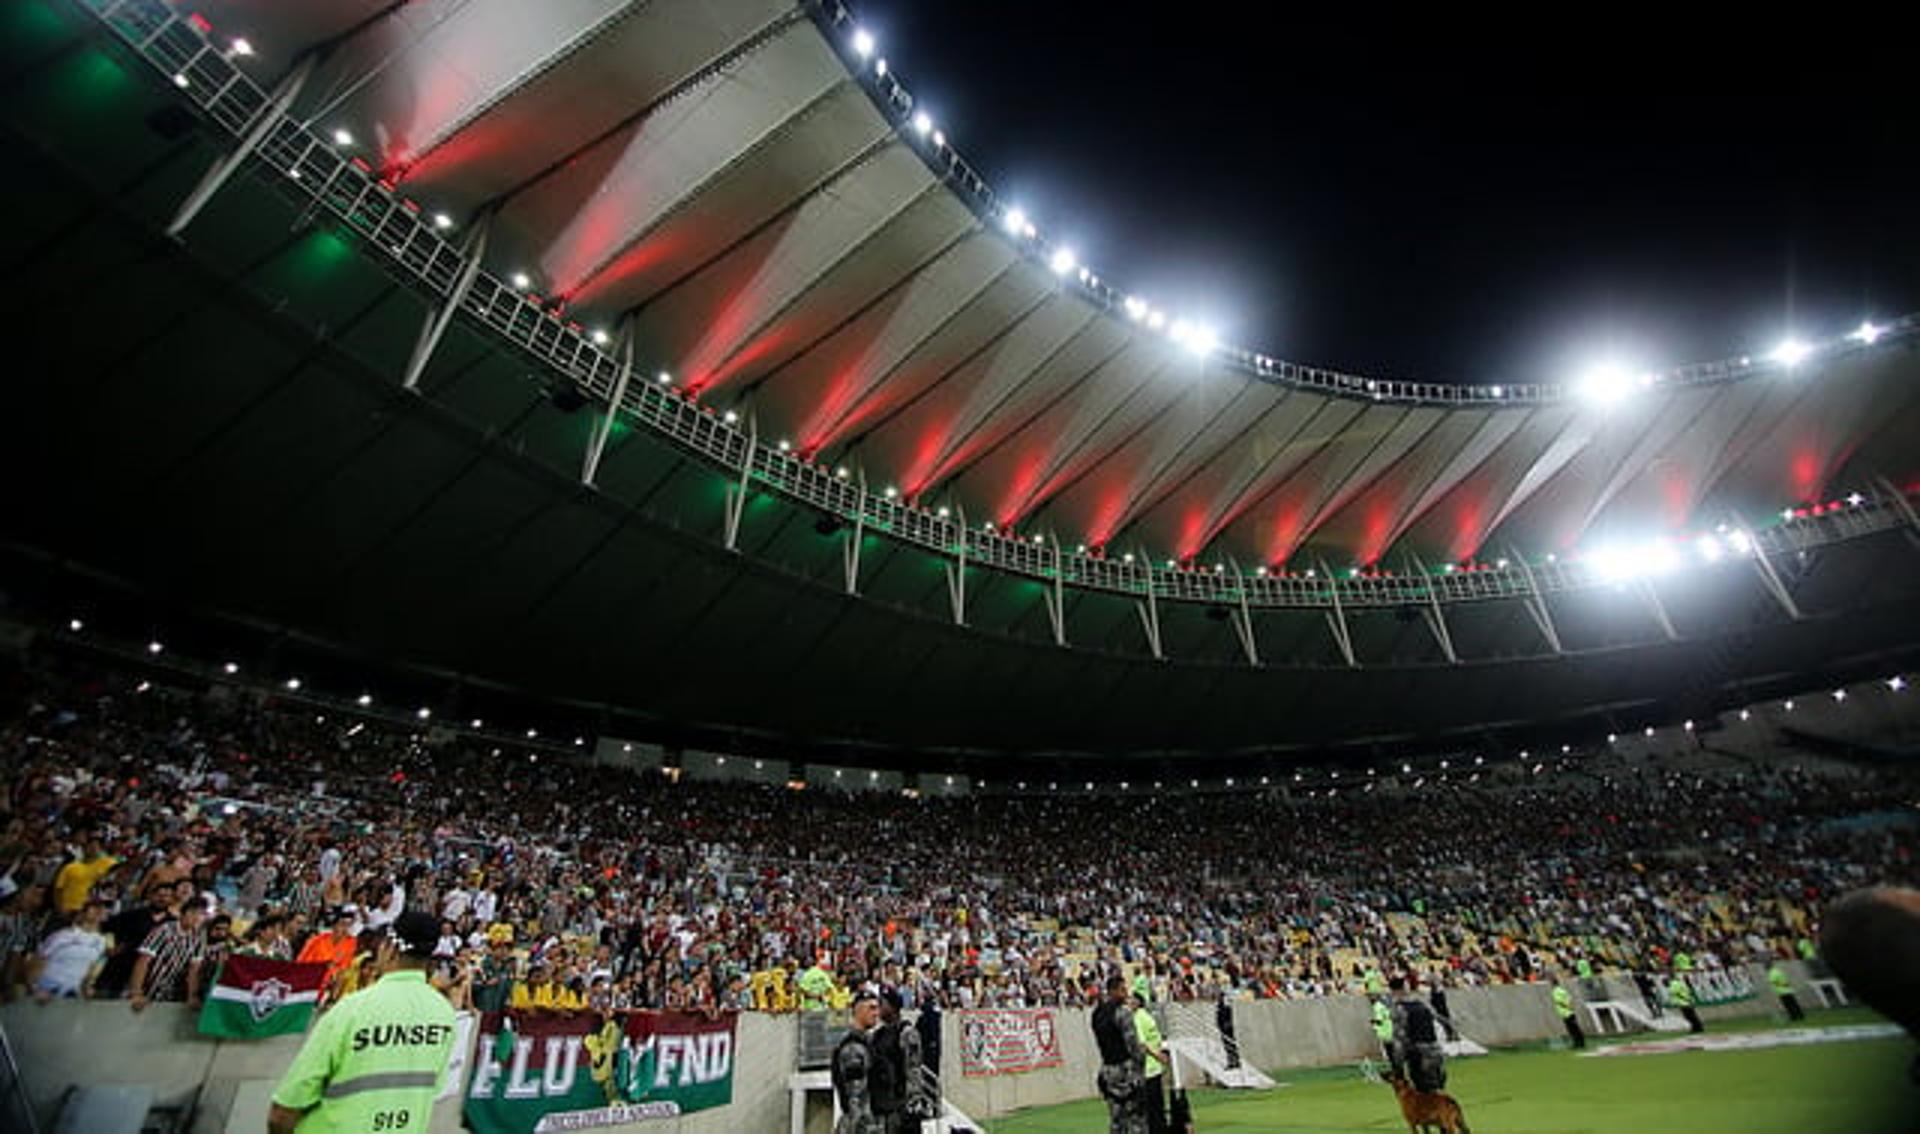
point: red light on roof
(360, 164)
(200, 23)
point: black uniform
(852, 1085)
(1122, 1068)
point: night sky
(1446, 201)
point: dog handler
(375, 1060)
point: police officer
(1383, 1032)
(375, 1060)
(1122, 1061)
(853, 1071)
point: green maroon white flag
(254, 997)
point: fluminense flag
(254, 997)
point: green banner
(541, 1071)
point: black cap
(892, 999)
(417, 933)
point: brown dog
(1428, 1112)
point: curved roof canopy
(743, 188)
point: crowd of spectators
(147, 829)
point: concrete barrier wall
(64, 1045)
(67, 1044)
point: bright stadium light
(1710, 548)
(180, 80)
(442, 221)
(342, 136)
(154, 647)
(522, 281)
(1156, 319)
(730, 417)
(1605, 385)
(862, 42)
(599, 337)
(1136, 308)
(880, 67)
(922, 124)
(364, 700)
(1739, 543)
(242, 48)
(1061, 261)
(293, 684)
(786, 446)
(939, 140)
(1015, 221)
(423, 712)
(664, 378)
(1867, 333)
(76, 625)
(1791, 352)
(1896, 683)
(230, 668)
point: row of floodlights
(1061, 259)
(1895, 684)
(294, 685)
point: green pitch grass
(1838, 1088)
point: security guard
(1783, 991)
(1680, 995)
(375, 1060)
(1563, 1008)
(1383, 1031)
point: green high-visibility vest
(1382, 1022)
(1806, 949)
(1584, 967)
(1683, 962)
(1782, 984)
(1680, 992)
(1376, 984)
(1563, 1003)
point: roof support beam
(1900, 502)
(1436, 619)
(1243, 621)
(1659, 610)
(1769, 578)
(597, 444)
(224, 167)
(737, 493)
(1149, 611)
(1337, 618)
(850, 553)
(957, 573)
(1056, 598)
(472, 249)
(1536, 604)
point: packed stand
(149, 831)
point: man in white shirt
(454, 906)
(69, 959)
(484, 905)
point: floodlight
(442, 221)
(342, 136)
(522, 281)
(1136, 308)
(230, 669)
(1791, 352)
(154, 647)
(862, 42)
(293, 683)
(1062, 261)
(922, 124)
(1868, 334)
(599, 338)
(423, 712)
(1015, 221)
(242, 48)
(1605, 385)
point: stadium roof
(733, 195)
